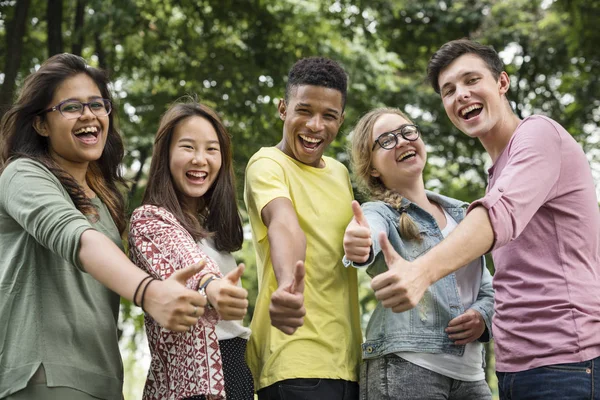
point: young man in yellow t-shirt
(306, 334)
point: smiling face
(311, 120)
(194, 159)
(474, 101)
(401, 165)
(73, 143)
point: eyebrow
(395, 130)
(460, 77)
(331, 110)
(187, 139)
(76, 99)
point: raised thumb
(358, 214)
(388, 251)
(297, 285)
(235, 275)
(186, 273)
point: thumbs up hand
(357, 238)
(228, 299)
(287, 303)
(403, 285)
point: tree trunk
(78, 28)
(100, 52)
(14, 47)
(54, 11)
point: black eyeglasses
(389, 140)
(73, 109)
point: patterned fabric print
(188, 363)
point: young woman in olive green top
(61, 266)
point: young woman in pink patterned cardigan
(189, 213)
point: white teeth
(87, 129)
(466, 110)
(197, 174)
(406, 154)
(310, 140)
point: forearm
(472, 238)
(287, 244)
(103, 260)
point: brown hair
(219, 214)
(19, 139)
(361, 154)
(450, 51)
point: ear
(342, 118)
(375, 173)
(503, 83)
(40, 126)
(282, 108)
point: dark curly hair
(317, 71)
(450, 51)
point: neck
(76, 170)
(415, 192)
(496, 140)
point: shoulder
(267, 158)
(379, 208)
(21, 165)
(149, 212)
(445, 201)
(540, 128)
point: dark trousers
(573, 381)
(310, 389)
(239, 384)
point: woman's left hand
(229, 299)
(466, 328)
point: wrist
(203, 289)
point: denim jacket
(422, 328)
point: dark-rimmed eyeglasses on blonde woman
(389, 140)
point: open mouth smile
(310, 143)
(87, 134)
(196, 176)
(471, 111)
(406, 155)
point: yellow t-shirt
(328, 344)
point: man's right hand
(287, 303)
(357, 238)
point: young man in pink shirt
(541, 221)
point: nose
(199, 158)
(315, 123)
(462, 92)
(86, 112)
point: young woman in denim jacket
(435, 349)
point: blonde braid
(407, 227)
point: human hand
(403, 285)
(287, 303)
(357, 238)
(466, 328)
(172, 304)
(229, 299)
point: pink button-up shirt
(544, 213)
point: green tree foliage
(234, 55)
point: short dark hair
(450, 51)
(317, 71)
(219, 214)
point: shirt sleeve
(265, 181)
(527, 181)
(162, 246)
(32, 196)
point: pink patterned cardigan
(184, 364)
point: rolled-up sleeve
(527, 180)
